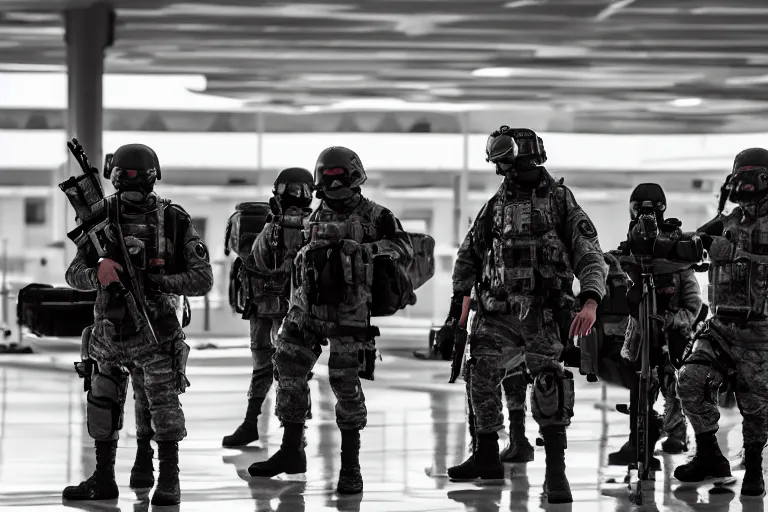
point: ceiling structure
(597, 66)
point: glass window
(34, 211)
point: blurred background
(230, 92)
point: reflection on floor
(415, 430)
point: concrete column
(88, 32)
(461, 187)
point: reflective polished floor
(415, 430)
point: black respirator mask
(290, 195)
(748, 185)
(133, 185)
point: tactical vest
(334, 272)
(528, 264)
(738, 272)
(151, 240)
(267, 296)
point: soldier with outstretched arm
(521, 255)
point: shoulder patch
(587, 229)
(178, 209)
(202, 251)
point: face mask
(134, 185)
(748, 185)
(335, 184)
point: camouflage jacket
(187, 271)
(572, 235)
(269, 264)
(738, 286)
(366, 231)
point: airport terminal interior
(230, 92)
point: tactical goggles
(299, 190)
(133, 175)
(636, 207)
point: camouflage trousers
(296, 352)
(515, 388)
(263, 333)
(499, 345)
(158, 376)
(674, 418)
(723, 352)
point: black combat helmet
(339, 173)
(748, 182)
(517, 152)
(293, 187)
(647, 192)
(133, 168)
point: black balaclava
(644, 193)
(134, 169)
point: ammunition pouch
(553, 396)
(84, 194)
(325, 276)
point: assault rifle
(95, 226)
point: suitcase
(55, 311)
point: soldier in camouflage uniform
(733, 345)
(521, 255)
(267, 280)
(169, 260)
(331, 303)
(678, 301)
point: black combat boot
(289, 459)
(708, 462)
(556, 485)
(627, 454)
(677, 440)
(101, 485)
(487, 464)
(248, 430)
(519, 449)
(466, 472)
(350, 478)
(168, 491)
(753, 486)
(143, 472)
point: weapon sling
(142, 306)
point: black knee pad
(104, 409)
(553, 395)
